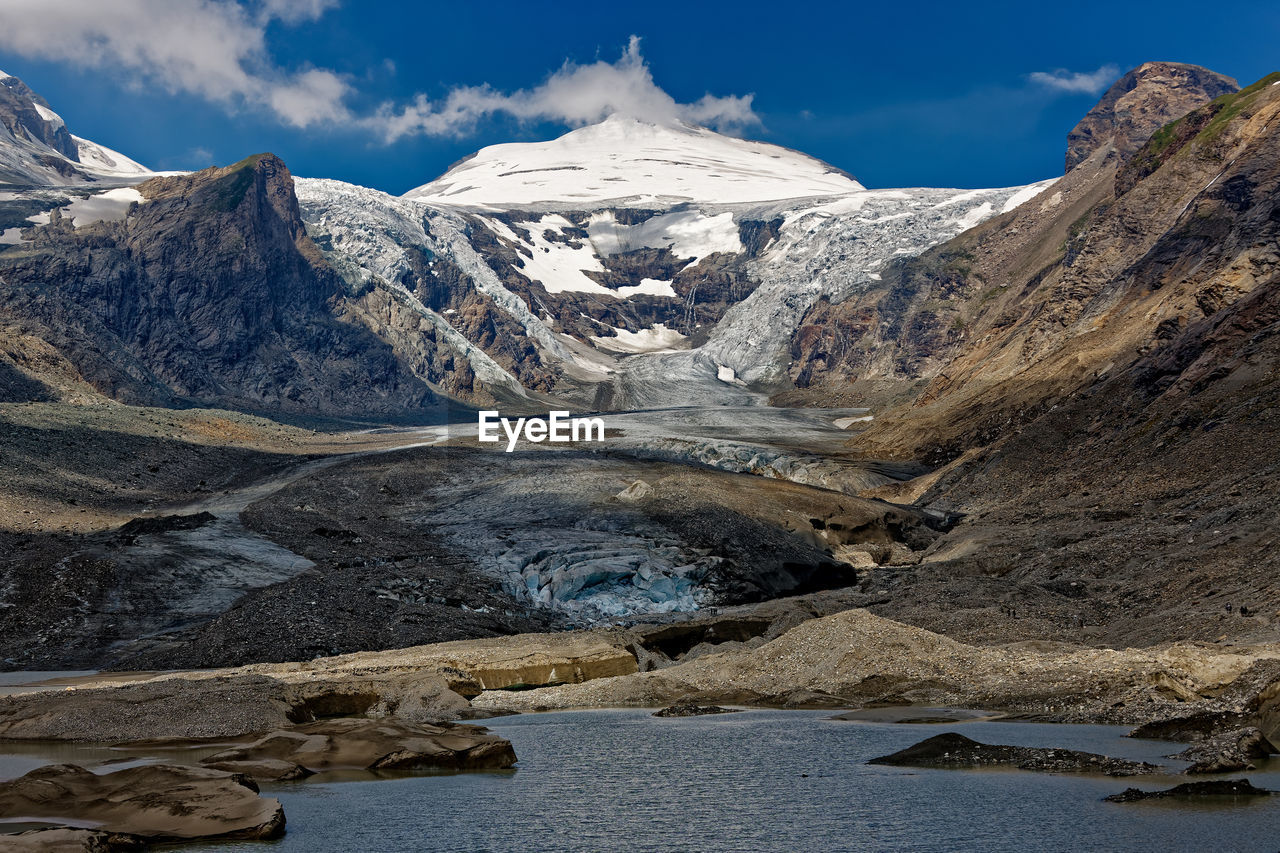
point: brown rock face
(158, 802)
(179, 708)
(1141, 102)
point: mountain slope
(662, 265)
(1101, 399)
(996, 300)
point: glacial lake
(622, 780)
(760, 780)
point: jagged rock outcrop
(208, 291)
(23, 114)
(1139, 104)
(37, 149)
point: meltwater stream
(622, 780)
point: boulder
(637, 491)
(1227, 752)
(951, 750)
(364, 744)
(155, 802)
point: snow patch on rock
(686, 233)
(647, 287)
(48, 115)
(656, 338)
(1026, 194)
(103, 161)
(110, 206)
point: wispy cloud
(574, 95)
(295, 11)
(217, 50)
(1076, 82)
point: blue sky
(899, 94)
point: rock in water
(157, 802)
(70, 841)
(953, 750)
(686, 708)
(1227, 752)
(1216, 788)
(363, 744)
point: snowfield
(624, 159)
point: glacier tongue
(830, 248)
(593, 574)
(835, 249)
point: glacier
(827, 247)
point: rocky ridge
(1140, 103)
(205, 288)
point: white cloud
(1077, 82)
(216, 50)
(574, 95)
(295, 11)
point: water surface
(763, 780)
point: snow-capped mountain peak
(639, 162)
(37, 149)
